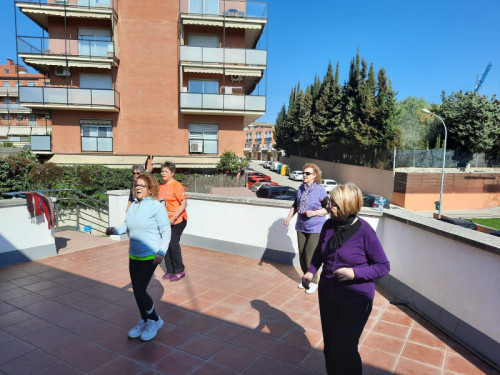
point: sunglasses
(308, 173)
(142, 186)
(136, 173)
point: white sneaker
(152, 328)
(312, 288)
(300, 286)
(137, 330)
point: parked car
(271, 192)
(254, 175)
(329, 185)
(267, 165)
(371, 200)
(460, 222)
(256, 186)
(495, 233)
(254, 179)
(296, 175)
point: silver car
(296, 175)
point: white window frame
(101, 142)
(208, 133)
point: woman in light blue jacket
(148, 228)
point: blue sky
(426, 46)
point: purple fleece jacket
(362, 252)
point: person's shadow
(282, 260)
(277, 323)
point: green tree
(229, 163)
(418, 130)
(473, 121)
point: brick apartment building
(135, 82)
(259, 140)
(19, 124)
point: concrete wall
(23, 239)
(369, 180)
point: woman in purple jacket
(352, 257)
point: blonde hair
(151, 183)
(316, 170)
(348, 198)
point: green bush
(7, 144)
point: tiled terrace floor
(70, 314)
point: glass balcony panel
(256, 57)
(103, 97)
(189, 53)
(79, 96)
(66, 47)
(212, 101)
(40, 143)
(234, 102)
(190, 100)
(212, 55)
(234, 56)
(255, 103)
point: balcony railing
(89, 4)
(65, 47)
(41, 142)
(225, 8)
(211, 55)
(68, 96)
(14, 107)
(9, 91)
(249, 103)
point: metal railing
(9, 91)
(225, 8)
(31, 45)
(212, 55)
(89, 4)
(70, 96)
(76, 200)
(250, 103)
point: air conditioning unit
(62, 71)
(236, 78)
(196, 146)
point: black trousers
(141, 272)
(342, 325)
(173, 259)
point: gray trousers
(307, 244)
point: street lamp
(444, 160)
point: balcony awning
(111, 161)
(202, 22)
(41, 130)
(241, 25)
(187, 161)
(241, 72)
(234, 72)
(4, 130)
(20, 130)
(203, 70)
(57, 12)
(73, 62)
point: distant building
(259, 140)
(136, 82)
(18, 124)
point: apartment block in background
(259, 140)
(135, 82)
(21, 125)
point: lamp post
(444, 160)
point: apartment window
(7, 71)
(96, 81)
(31, 83)
(202, 86)
(204, 6)
(32, 119)
(5, 83)
(97, 135)
(20, 117)
(258, 136)
(203, 138)
(7, 117)
(203, 40)
(94, 42)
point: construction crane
(479, 81)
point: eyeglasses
(308, 173)
(332, 203)
(136, 173)
(142, 186)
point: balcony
(70, 98)
(40, 10)
(41, 53)
(71, 298)
(224, 56)
(41, 143)
(9, 91)
(13, 108)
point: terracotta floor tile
(220, 311)
(306, 338)
(425, 354)
(6, 337)
(91, 359)
(26, 300)
(197, 304)
(175, 336)
(235, 301)
(377, 359)
(71, 297)
(252, 293)
(204, 346)
(27, 326)
(235, 357)
(384, 343)
(200, 322)
(178, 315)
(465, 366)
(213, 369)
(67, 347)
(266, 365)
(245, 319)
(102, 330)
(121, 344)
(410, 367)
(26, 280)
(287, 352)
(426, 338)
(41, 285)
(13, 317)
(46, 335)
(255, 341)
(11, 273)
(396, 317)
(314, 362)
(150, 353)
(14, 293)
(179, 363)
(58, 368)
(390, 329)
(227, 332)
(51, 311)
(14, 349)
(6, 307)
(122, 366)
(28, 363)
(55, 291)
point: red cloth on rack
(38, 202)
